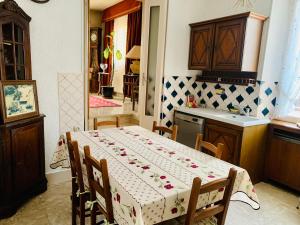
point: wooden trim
(253, 151)
(242, 15)
(13, 8)
(121, 9)
(291, 127)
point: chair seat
(181, 221)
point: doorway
(136, 76)
(111, 82)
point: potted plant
(107, 91)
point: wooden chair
(106, 123)
(79, 194)
(74, 199)
(215, 151)
(215, 214)
(172, 131)
(95, 186)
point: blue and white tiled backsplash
(261, 98)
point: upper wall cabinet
(15, 58)
(226, 44)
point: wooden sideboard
(22, 163)
(283, 154)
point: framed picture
(18, 100)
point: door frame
(146, 121)
(86, 49)
(160, 66)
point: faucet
(240, 110)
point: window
(288, 108)
(295, 112)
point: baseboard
(59, 177)
(118, 95)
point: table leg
(133, 99)
(99, 80)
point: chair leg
(82, 211)
(93, 216)
(73, 210)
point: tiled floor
(278, 207)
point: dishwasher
(188, 127)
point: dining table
(151, 176)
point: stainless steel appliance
(188, 127)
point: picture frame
(18, 100)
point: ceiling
(102, 4)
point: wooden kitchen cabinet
(22, 163)
(229, 42)
(226, 44)
(230, 138)
(244, 146)
(202, 41)
(283, 155)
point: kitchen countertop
(224, 116)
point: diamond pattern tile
(181, 84)
(71, 102)
(209, 95)
(261, 98)
(268, 91)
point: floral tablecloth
(151, 176)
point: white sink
(243, 120)
(223, 116)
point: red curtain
(109, 27)
(134, 32)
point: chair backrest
(78, 167)
(213, 150)
(219, 209)
(172, 131)
(71, 155)
(95, 185)
(97, 123)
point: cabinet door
(229, 137)
(14, 51)
(229, 44)
(282, 162)
(201, 47)
(27, 145)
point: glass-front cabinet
(15, 56)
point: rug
(98, 102)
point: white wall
(120, 28)
(182, 13)
(56, 32)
